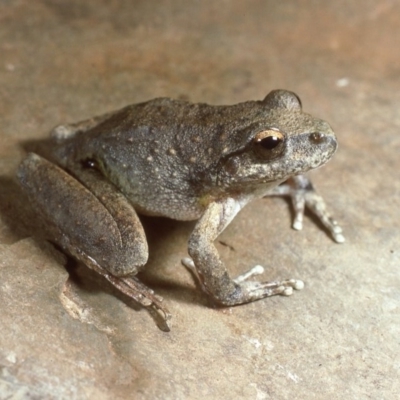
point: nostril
(317, 137)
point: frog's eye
(269, 144)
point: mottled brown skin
(183, 161)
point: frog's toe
(296, 284)
(259, 290)
(335, 230)
(298, 222)
(256, 270)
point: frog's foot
(136, 290)
(251, 290)
(303, 194)
(260, 290)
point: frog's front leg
(302, 193)
(211, 270)
(93, 222)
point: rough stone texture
(65, 333)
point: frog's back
(174, 115)
(162, 154)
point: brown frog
(183, 161)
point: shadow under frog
(182, 161)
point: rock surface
(66, 334)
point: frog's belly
(163, 203)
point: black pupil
(270, 142)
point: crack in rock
(78, 310)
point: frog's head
(282, 141)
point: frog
(185, 161)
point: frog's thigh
(102, 228)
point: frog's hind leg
(92, 221)
(133, 288)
